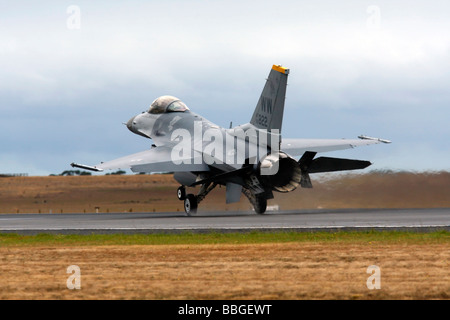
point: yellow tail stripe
(280, 69)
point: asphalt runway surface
(421, 220)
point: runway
(175, 222)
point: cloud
(68, 91)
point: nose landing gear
(181, 193)
(191, 201)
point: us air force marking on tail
(272, 99)
(252, 158)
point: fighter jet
(250, 159)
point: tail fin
(269, 110)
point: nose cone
(139, 125)
(130, 125)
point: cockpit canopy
(167, 104)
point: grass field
(227, 266)
(146, 193)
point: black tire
(190, 205)
(260, 204)
(181, 193)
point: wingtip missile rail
(372, 138)
(82, 166)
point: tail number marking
(261, 120)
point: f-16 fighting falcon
(252, 158)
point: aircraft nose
(130, 124)
(139, 125)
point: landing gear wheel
(260, 204)
(181, 193)
(190, 204)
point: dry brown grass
(307, 270)
(144, 193)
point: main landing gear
(259, 201)
(191, 201)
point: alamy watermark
(73, 21)
(236, 146)
(373, 21)
(374, 281)
(74, 280)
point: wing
(296, 147)
(157, 159)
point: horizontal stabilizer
(326, 164)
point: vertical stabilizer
(269, 110)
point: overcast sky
(71, 72)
